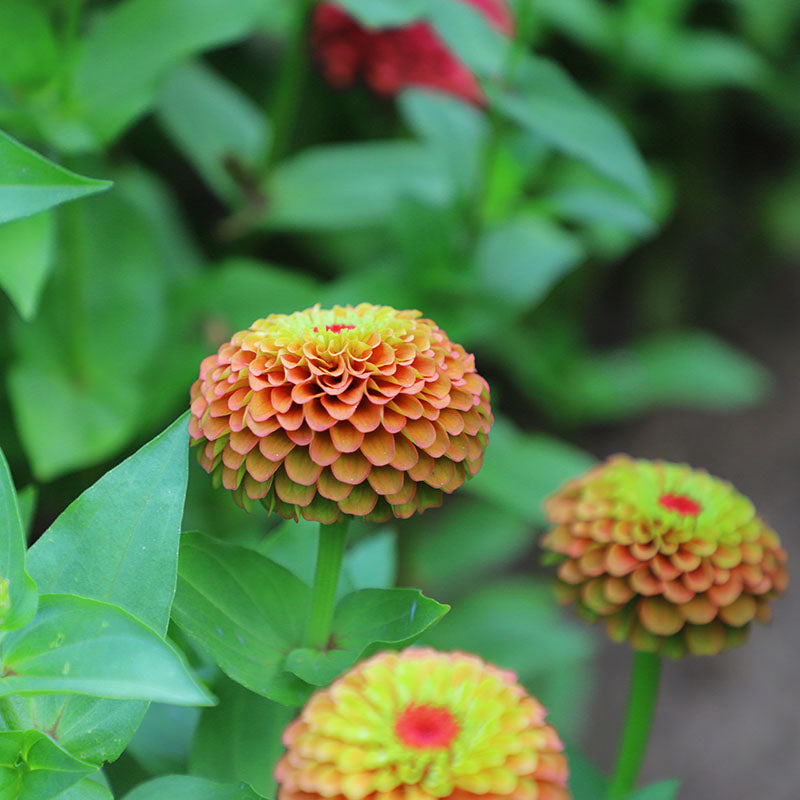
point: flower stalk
(638, 724)
(330, 552)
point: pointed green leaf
(87, 789)
(18, 595)
(245, 610)
(37, 766)
(365, 622)
(83, 646)
(29, 183)
(187, 787)
(240, 739)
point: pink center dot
(336, 328)
(426, 726)
(681, 504)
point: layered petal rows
(391, 59)
(361, 410)
(673, 560)
(420, 725)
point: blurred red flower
(392, 59)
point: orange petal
(393, 422)
(620, 561)
(328, 486)
(724, 594)
(676, 592)
(452, 421)
(260, 408)
(300, 468)
(422, 469)
(260, 468)
(441, 443)
(345, 438)
(442, 473)
(291, 492)
(243, 441)
(321, 449)
(360, 501)
(367, 417)
(386, 480)
(739, 612)
(644, 582)
(379, 447)
(405, 454)
(407, 405)
(317, 417)
(699, 610)
(351, 468)
(275, 446)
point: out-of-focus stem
(332, 542)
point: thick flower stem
(332, 541)
(288, 93)
(641, 707)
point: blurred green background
(595, 234)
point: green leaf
(365, 622)
(352, 185)
(384, 13)
(517, 624)
(137, 505)
(213, 124)
(586, 782)
(665, 790)
(18, 595)
(521, 469)
(122, 533)
(36, 766)
(133, 44)
(187, 787)
(83, 646)
(240, 739)
(26, 255)
(29, 183)
(28, 45)
(87, 789)
(161, 744)
(245, 610)
(521, 259)
(548, 103)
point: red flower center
(336, 328)
(426, 726)
(680, 503)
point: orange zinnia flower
(672, 559)
(359, 410)
(421, 725)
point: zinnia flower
(391, 59)
(358, 410)
(420, 725)
(671, 558)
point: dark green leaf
(186, 787)
(83, 646)
(348, 186)
(549, 104)
(365, 622)
(36, 766)
(586, 782)
(245, 610)
(29, 183)
(18, 595)
(521, 469)
(161, 744)
(240, 739)
(26, 255)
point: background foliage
(560, 233)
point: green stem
(332, 541)
(639, 721)
(285, 102)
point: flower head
(392, 59)
(359, 410)
(672, 559)
(420, 725)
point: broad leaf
(547, 102)
(87, 789)
(365, 622)
(240, 739)
(665, 790)
(214, 125)
(161, 744)
(384, 13)
(83, 646)
(37, 767)
(18, 595)
(245, 610)
(26, 255)
(187, 787)
(29, 183)
(521, 469)
(586, 782)
(348, 186)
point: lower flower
(419, 725)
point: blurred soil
(729, 726)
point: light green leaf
(29, 183)
(18, 595)
(521, 259)
(384, 13)
(365, 622)
(665, 790)
(28, 45)
(132, 45)
(83, 646)
(548, 103)
(521, 469)
(186, 787)
(213, 124)
(26, 255)
(36, 766)
(245, 610)
(352, 185)
(586, 782)
(240, 739)
(87, 789)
